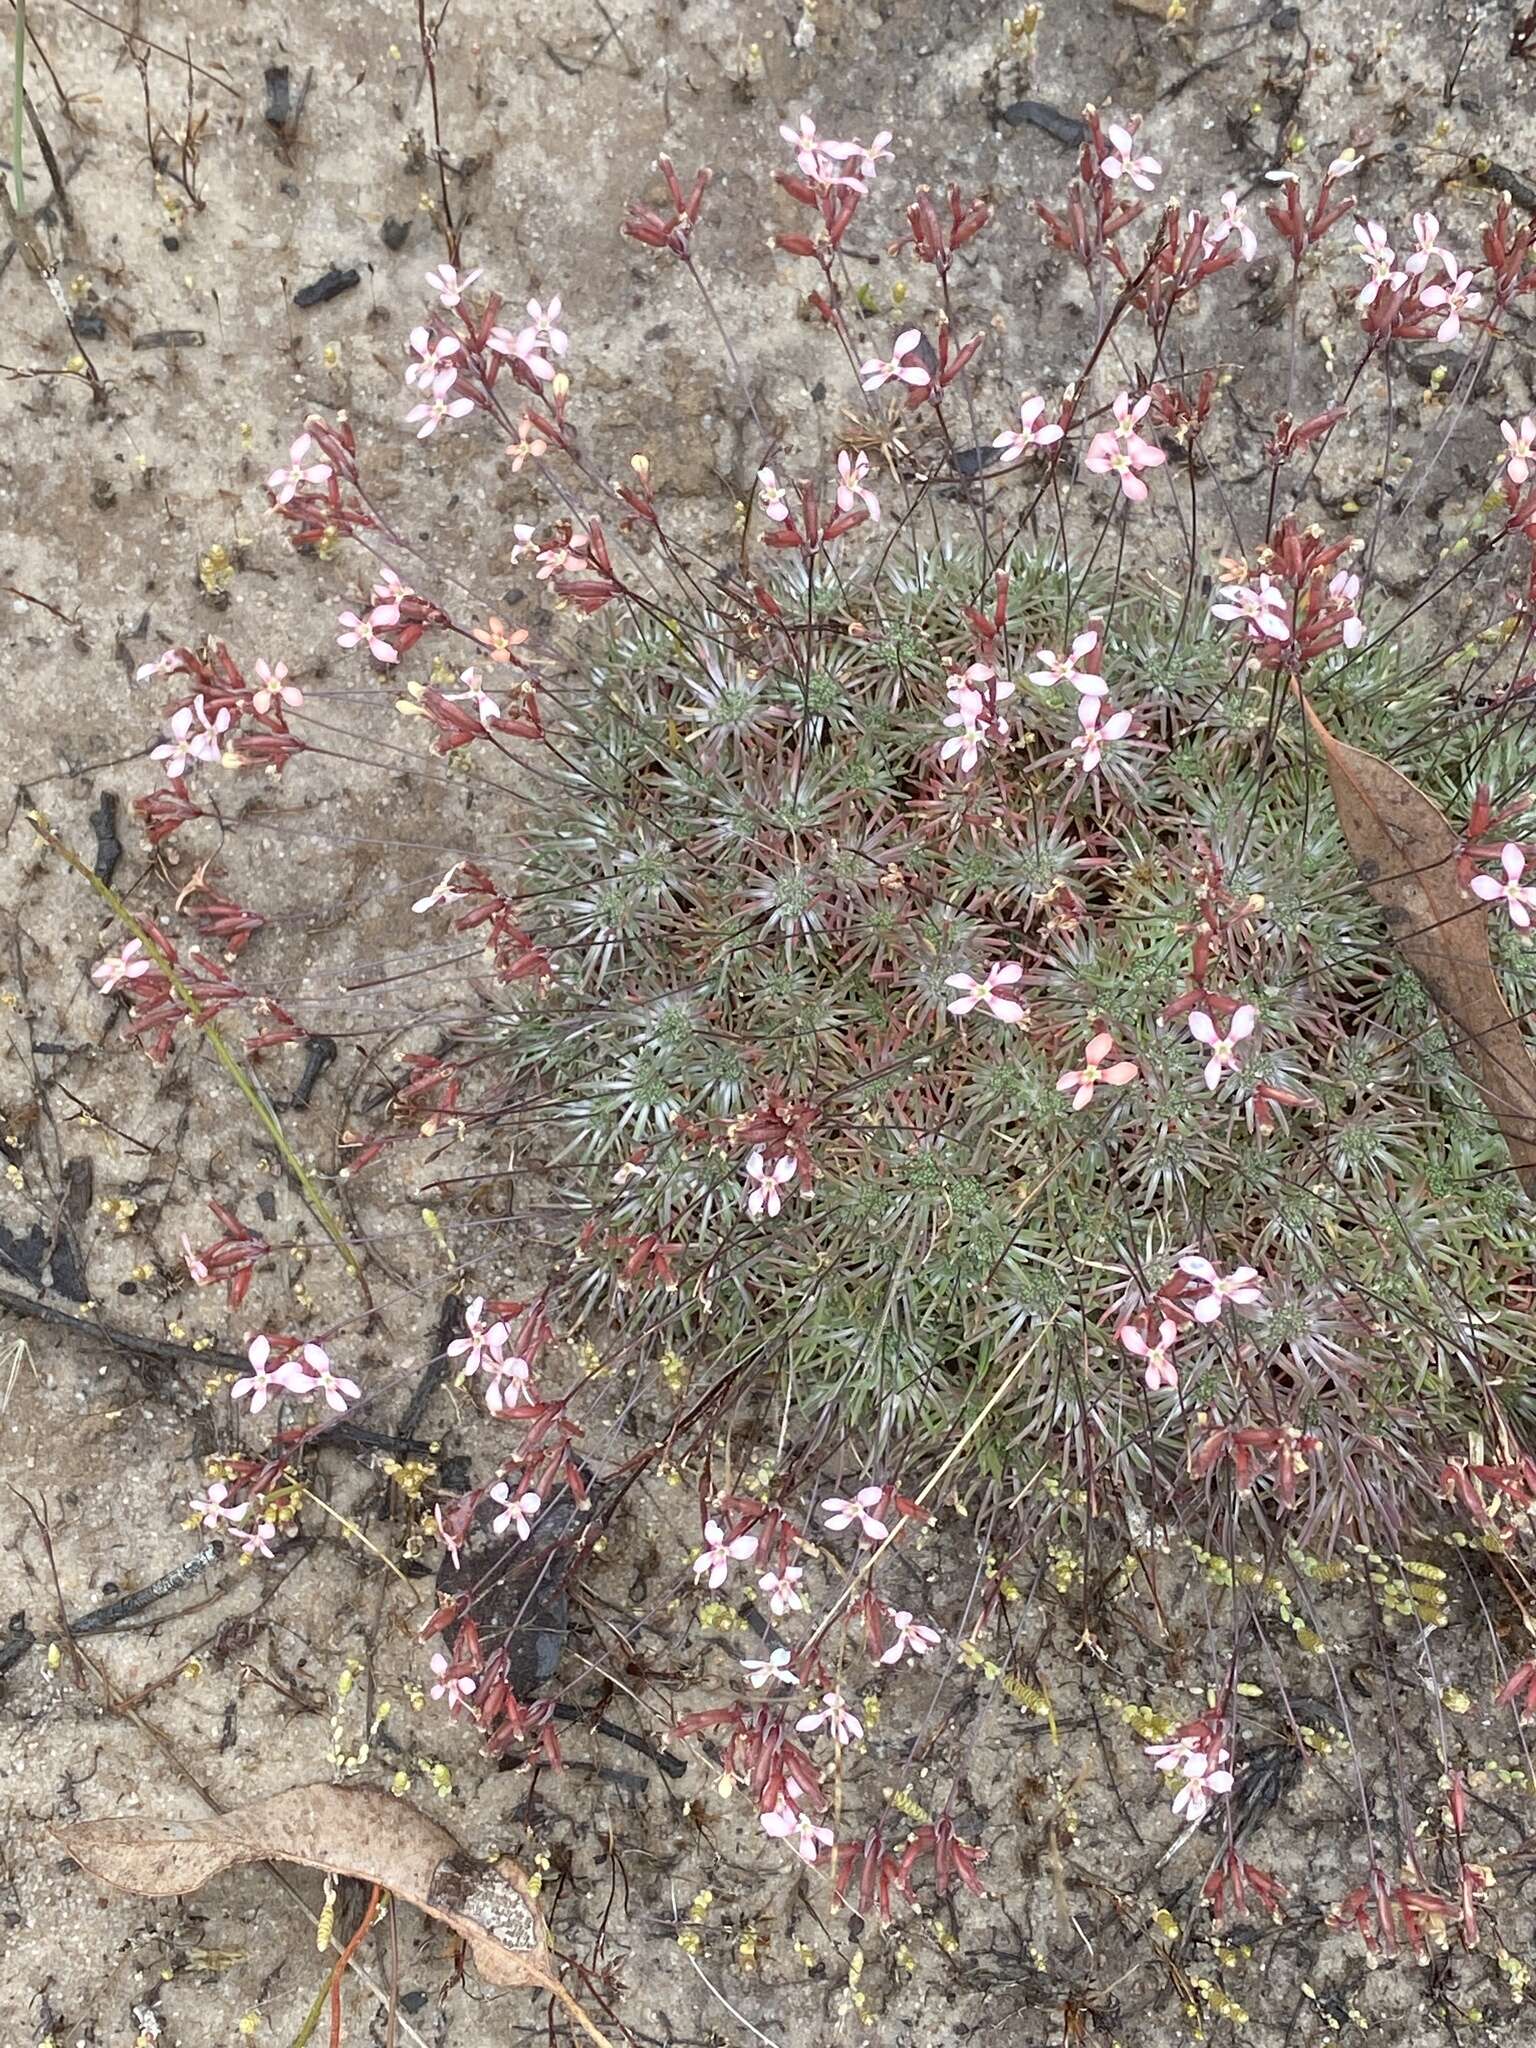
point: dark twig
(448, 1319)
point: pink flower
(530, 443)
(299, 472)
(783, 1590)
(714, 1561)
(213, 1509)
(764, 1184)
(1237, 1287)
(482, 1341)
(312, 1373)
(838, 1514)
(1457, 297)
(1156, 1359)
(543, 330)
(970, 730)
(1522, 449)
(521, 1510)
(432, 357)
(1202, 1772)
(981, 679)
(456, 1691)
(841, 1724)
(1121, 452)
(275, 688)
(1223, 1045)
(1230, 221)
(1094, 1073)
(770, 1670)
(874, 373)
(851, 489)
(439, 407)
(444, 892)
(448, 284)
(194, 737)
(1518, 898)
(913, 1636)
(865, 158)
(1122, 161)
(785, 1824)
(365, 633)
(1379, 257)
(1263, 609)
(1092, 740)
(1426, 232)
(257, 1542)
(1003, 1008)
(1015, 445)
(1345, 589)
(497, 1374)
(523, 348)
(263, 1377)
(770, 495)
(123, 965)
(1056, 668)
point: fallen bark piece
(1406, 851)
(352, 1829)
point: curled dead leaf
(352, 1829)
(1405, 849)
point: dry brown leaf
(352, 1829)
(1406, 851)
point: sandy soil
(251, 1679)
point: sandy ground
(249, 1680)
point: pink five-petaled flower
(1379, 258)
(1522, 449)
(1426, 235)
(765, 1184)
(1015, 444)
(915, 1636)
(714, 1561)
(275, 688)
(1056, 668)
(1204, 1774)
(786, 1824)
(770, 1670)
(1346, 589)
(842, 1724)
(431, 357)
(1230, 222)
(1457, 297)
(1121, 452)
(264, 1376)
(543, 330)
(1094, 738)
(194, 737)
(770, 495)
(1239, 1287)
(439, 407)
(839, 1514)
(299, 472)
(1093, 1073)
(874, 373)
(448, 284)
(520, 1510)
(124, 965)
(212, 1508)
(1123, 162)
(1518, 898)
(481, 1342)
(1222, 1044)
(970, 729)
(985, 993)
(783, 1590)
(454, 1690)
(865, 156)
(312, 1373)
(257, 1542)
(1156, 1359)
(1262, 608)
(365, 633)
(852, 491)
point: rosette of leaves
(754, 876)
